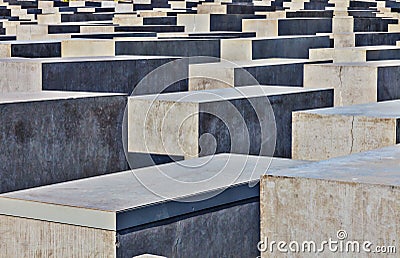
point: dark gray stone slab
(52, 137)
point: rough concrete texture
(180, 120)
(55, 137)
(359, 194)
(344, 130)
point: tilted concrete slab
(122, 214)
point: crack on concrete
(341, 85)
(352, 135)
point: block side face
(23, 237)
(36, 50)
(229, 49)
(78, 48)
(183, 237)
(301, 209)
(338, 135)
(203, 77)
(63, 139)
(388, 83)
(348, 82)
(20, 77)
(163, 127)
(398, 131)
(5, 50)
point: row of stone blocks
(296, 200)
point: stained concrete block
(275, 47)
(356, 54)
(168, 47)
(194, 22)
(87, 47)
(262, 27)
(117, 216)
(355, 83)
(211, 8)
(174, 123)
(51, 137)
(356, 195)
(90, 74)
(345, 130)
(274, 71)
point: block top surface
(224, 94)
(18, 97)
(380, 166)
(121, 191)
(385, 109)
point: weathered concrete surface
(174, 123)
(52, 137)
(122, 214)
(90, 74)
(359, 194)
(326, 133)
(23, 237)
(224, 74)
(376, 80)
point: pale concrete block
(273, 15)
(357, 195)
(96, 29)
(152, 13)
(76, 3)
(106, 4)
(262, 27)
(177, 4)
(321, 54)
(127, 20)
(342, 25)
(5, 50)
(344, 40)
(194, 22)
(45, 4)
(87, 47)
(206, 77)
(28, 32)
(50, 10)
(332, 132)
(54, 18)
(123, 8)
(211, 8)
(344, 55)
(19, 75)
(347, 80)
(236, 49)
(175, 124)
(86, 10)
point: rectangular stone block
(262, 27)
(355, 54)
(194, 22)
(278, 47)
(87, 47)
(326, 133)
(351, 202)
(169, 47)
(174, 123)
(50, 137)
(274, 71)
(90, 74)
(117, 216)
(375, 80)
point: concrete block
(274, 71)
(262, 27)
(275, 47)
(374, 79)
(345, 130)
(355, 54)
(51, 137)
(53, 18)
(194, 22)
(28, 32)
(117, 216)
(95, 74)
(211, 8)
(87, 47)
(174, 123)
(127, 20)
(345, 201)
